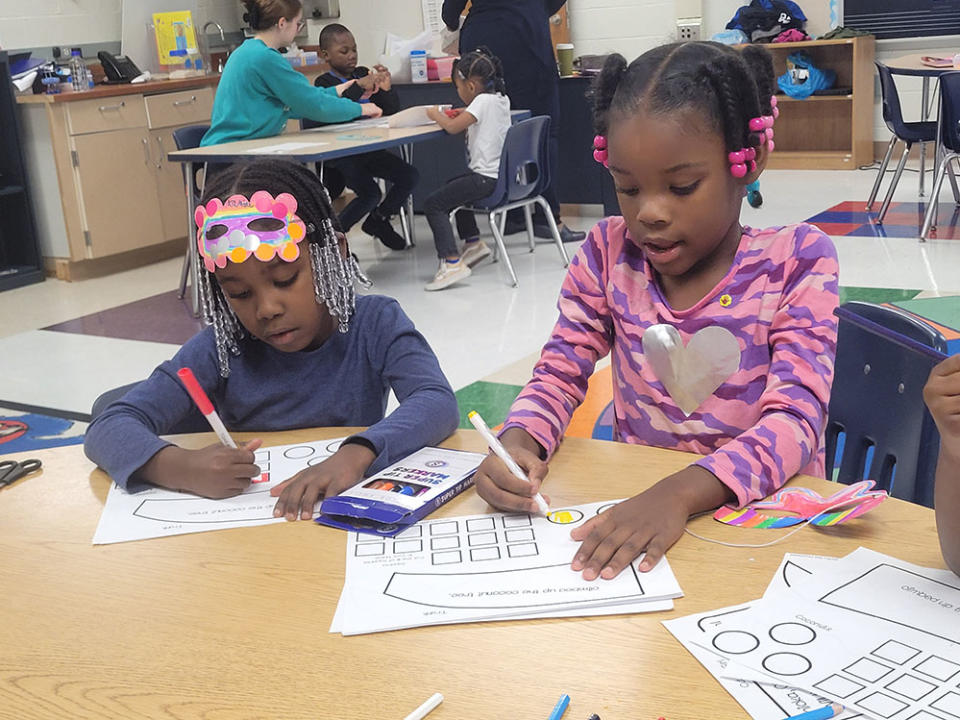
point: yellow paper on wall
(174, 31)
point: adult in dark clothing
(360, 172)
(518, 32)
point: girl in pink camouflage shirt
(683, 129)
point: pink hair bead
(769, 133)
(738, 170)
(601, 157)
(750, 154)
(753, 166)
(773, 101)
(770, 146)
(757, 124)
(599, 142)
(737, 158)
(776, 113)
(768, 121)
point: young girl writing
(289, 347)
(942, 394)
(683, 129)
(486, 119)
(259, 90)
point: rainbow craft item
(804, 504)
(262, 225)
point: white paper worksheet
(485, 567)
(880, 636)
(155, 512)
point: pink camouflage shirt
(762, 425)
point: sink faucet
(203, 31)
(208, 23)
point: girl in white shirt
(478, 76)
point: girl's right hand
(499, 487)
(371, 110)
(213, 472)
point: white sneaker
(475, 252)
(448, 274)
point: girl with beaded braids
(722, 337)
(289, 346)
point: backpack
(765, 19)
(802, 78)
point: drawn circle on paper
(298, 453)
(604, 508)
(316, 460)
(333, 447)
(735, 642)
(787, 664)
(791, 633)
(564, 517)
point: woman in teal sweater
(259, 90)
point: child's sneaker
(448, 273)
(474, 252)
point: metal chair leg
(928, 218)
(893, 184)
(554, 230)
(953, 184)
(528, 219)
(498, 236)
(883, 170)
(184, 273)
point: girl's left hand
(650, 522)
(299, 494)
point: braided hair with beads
(731, 90)
(334, 273)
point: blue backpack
(802, 78)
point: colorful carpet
(903, 220)
(22, 430)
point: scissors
(11, 470)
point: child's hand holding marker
(506, 489)
(217, 471)
(300, 494)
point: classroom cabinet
(118, 191)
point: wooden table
(233, 624)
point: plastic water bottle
(79, 76)
(418, 66)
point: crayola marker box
(402, 494)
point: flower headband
(262, 226)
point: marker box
(404, 493)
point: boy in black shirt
(359, 172)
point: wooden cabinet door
(170, 189)
(560, 28)
(117, 187)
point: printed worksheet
(155, 512)
(285, 148)
(485, 567)
(880, 636)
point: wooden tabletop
(233, 624)
(912, 65)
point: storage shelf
(811, 160)
(814, 98)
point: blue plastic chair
(524, 173)
(908, 132)
(186, 138)
(950, 140)
(884, 356)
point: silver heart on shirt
(691, 374)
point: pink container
(440, 68)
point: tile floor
(65, 343)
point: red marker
(206, 407)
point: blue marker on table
(828, 711)
(560, 708)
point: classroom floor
(65, 343)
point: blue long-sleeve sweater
(259, 91)
(344, 382)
